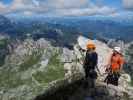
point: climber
(114, 67)
(90, 62)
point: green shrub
(53, 71)
(30, 61)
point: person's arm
(97, 64)
(85, 60)
(121, 63)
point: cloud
(2, 7)
(21, 4)
(59, 4)
(106, 10)
(36, 2)
(84, 11)
(56, 7)
(128, 4)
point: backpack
(116, 62)
(91, 60)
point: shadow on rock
(76, 91)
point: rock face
(75, 90)
(129, 59)
(3, 48)
(35, 67)
(29, 69)
(102, 49)
(104, 53)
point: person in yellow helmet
(90, 46)
(90, 62)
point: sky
(66, 7)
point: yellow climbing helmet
(90, 45)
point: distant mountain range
(101, 26)
(5, 23)
(56, 27)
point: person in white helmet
(114, 67)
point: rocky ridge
(101, 91)
(35, 67)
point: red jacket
(116, 62)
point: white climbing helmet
(117, 49)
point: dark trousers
(90, 76)
(90, 72)
(112, 78)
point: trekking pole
(76, 60)
(98, 70)
(106, 70)
(67, 62)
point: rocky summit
(35, 69)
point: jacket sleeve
(121, 61)
(96, 58)
(85, 59)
